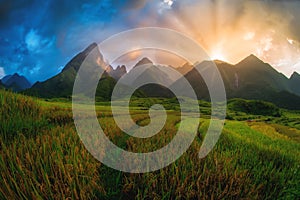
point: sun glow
(217, 55)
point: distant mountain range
(249, 79)
(15, 82)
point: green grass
(19, 114)
(42, 157)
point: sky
(37, 38)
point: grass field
(42, 157)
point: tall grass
(41, 157)
(243, 165)
(19, 114)
(54, 165)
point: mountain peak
(76, 61)
(16, 75)
(121, 68)
(118, 72)
(144, 61)
(90, 48)
(252, 59)
(295, 75)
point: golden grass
(54, 165)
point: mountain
(185, 68)
(158, 77)
(146, 71)
(61, 85)
(294, 83)
(75, 62)
(253, 71)
(118, 72)
(16, 82)
(249, 79)
(144, 61)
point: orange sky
(232, 30)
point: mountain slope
(252, 70)
(61, 85)
(58, 86)
(294, 83)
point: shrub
(254, 107)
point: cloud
(38, 37)
(35, 43)
(32, 40)
(2, 72)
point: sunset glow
(218, 55)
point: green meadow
(42, 157)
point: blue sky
(37, 38)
